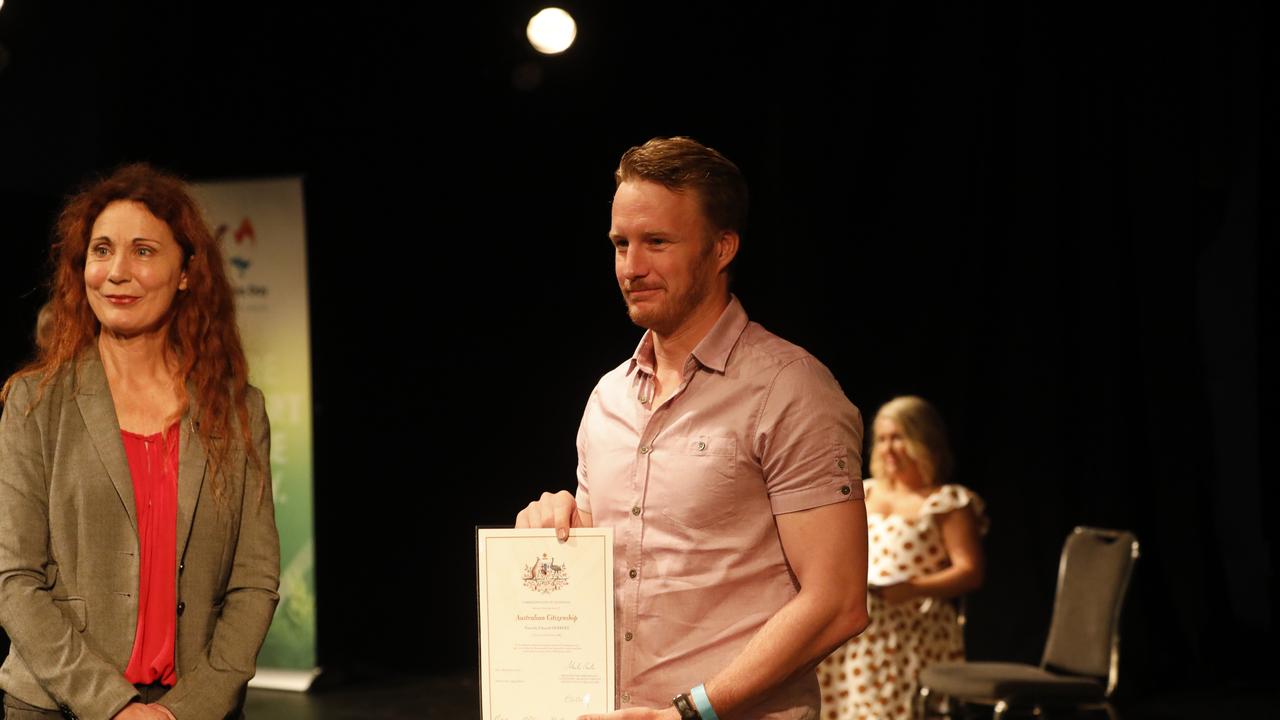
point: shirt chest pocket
(699, 485)
(707, 452)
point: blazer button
(66, 713)
(181, 606)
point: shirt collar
(712, 352)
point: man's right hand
(558, 511)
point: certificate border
(605, 536)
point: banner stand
(291, 680)
(261, 226)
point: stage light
(551, 31)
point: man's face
(665, 254)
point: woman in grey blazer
(139, 559)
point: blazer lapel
(99, 414)
(192, 461)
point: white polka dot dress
(873, 676)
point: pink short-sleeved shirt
(758, 428)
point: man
(726, 459)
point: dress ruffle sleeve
(953, 497)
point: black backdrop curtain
(1041, 216)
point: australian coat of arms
(544, 575)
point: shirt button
(840, 464)
(628, 637)
(181, 606)
(701, 445)
(644, 449)
(633, 573)
(845, 490)
(635, 510)
(626, 697)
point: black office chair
(1082, 655)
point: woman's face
(891, 449)
(133, 269)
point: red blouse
(153, 463)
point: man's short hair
(680, 163)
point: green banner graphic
(261, 226)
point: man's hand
(558, 511)
(669, 713)
(166, 711)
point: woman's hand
(896, 593)
(138, 711)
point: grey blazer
(69, 561)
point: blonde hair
(925, 434)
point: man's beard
(666, 317)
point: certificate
(546, 623)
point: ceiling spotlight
(551, 31)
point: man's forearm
(795, 639)
(827, 549)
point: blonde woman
(924, 546)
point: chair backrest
(1093, 575)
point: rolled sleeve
(809, 439)
(583, 495)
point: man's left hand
(669, 713)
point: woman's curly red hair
(202, 328)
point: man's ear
(726, 248)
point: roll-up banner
(261, 227)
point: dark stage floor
(392, 698)
(411, 697)
(456, 698)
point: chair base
(929, 705)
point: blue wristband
(699, 695)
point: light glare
(550, 32)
